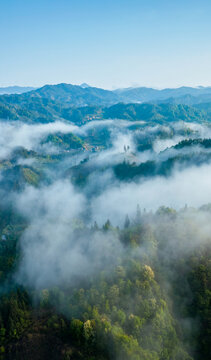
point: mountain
(84, 103)
(75, 95)
(85, 271)
(63, 94)
(180, 95)
(15, 89)
(83, 95)
(154, 112)
(29, 108)
(32, 108)
(188, 99)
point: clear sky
(108, 43)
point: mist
(83, 225)
(16, 134)
(50, 252)
(55, 250)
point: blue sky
(109, 44)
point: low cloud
(190, 186)
(16, 134)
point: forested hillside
(143, 295)
(79, 104)
(105, 217)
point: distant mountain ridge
(15, 89)
(80, 103)
(144, 94)
(76, 95)
(85, 95)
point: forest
(140, 292)
(105, 227)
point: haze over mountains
(15, 89)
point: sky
(105, 43)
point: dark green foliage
(67, 141)
(127, 171)
(151, 299)
(40, 107)
(16, 177)
(151, 112)
(206, 143)
(125, 310)
(15, 319)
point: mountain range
(15, 89)
(84, 94)
(53, 102)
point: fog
(15, 134)
(191, 186)
(52, 253)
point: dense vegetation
(79, 105)
(127, 287)
(124, 310)
(44, 110)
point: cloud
(190, 186)
(161, 145)
(52, 253)
(16, 134)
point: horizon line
(113, 88)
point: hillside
(41, 109)
(104, 228)
(75, 95)
(66, 101)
